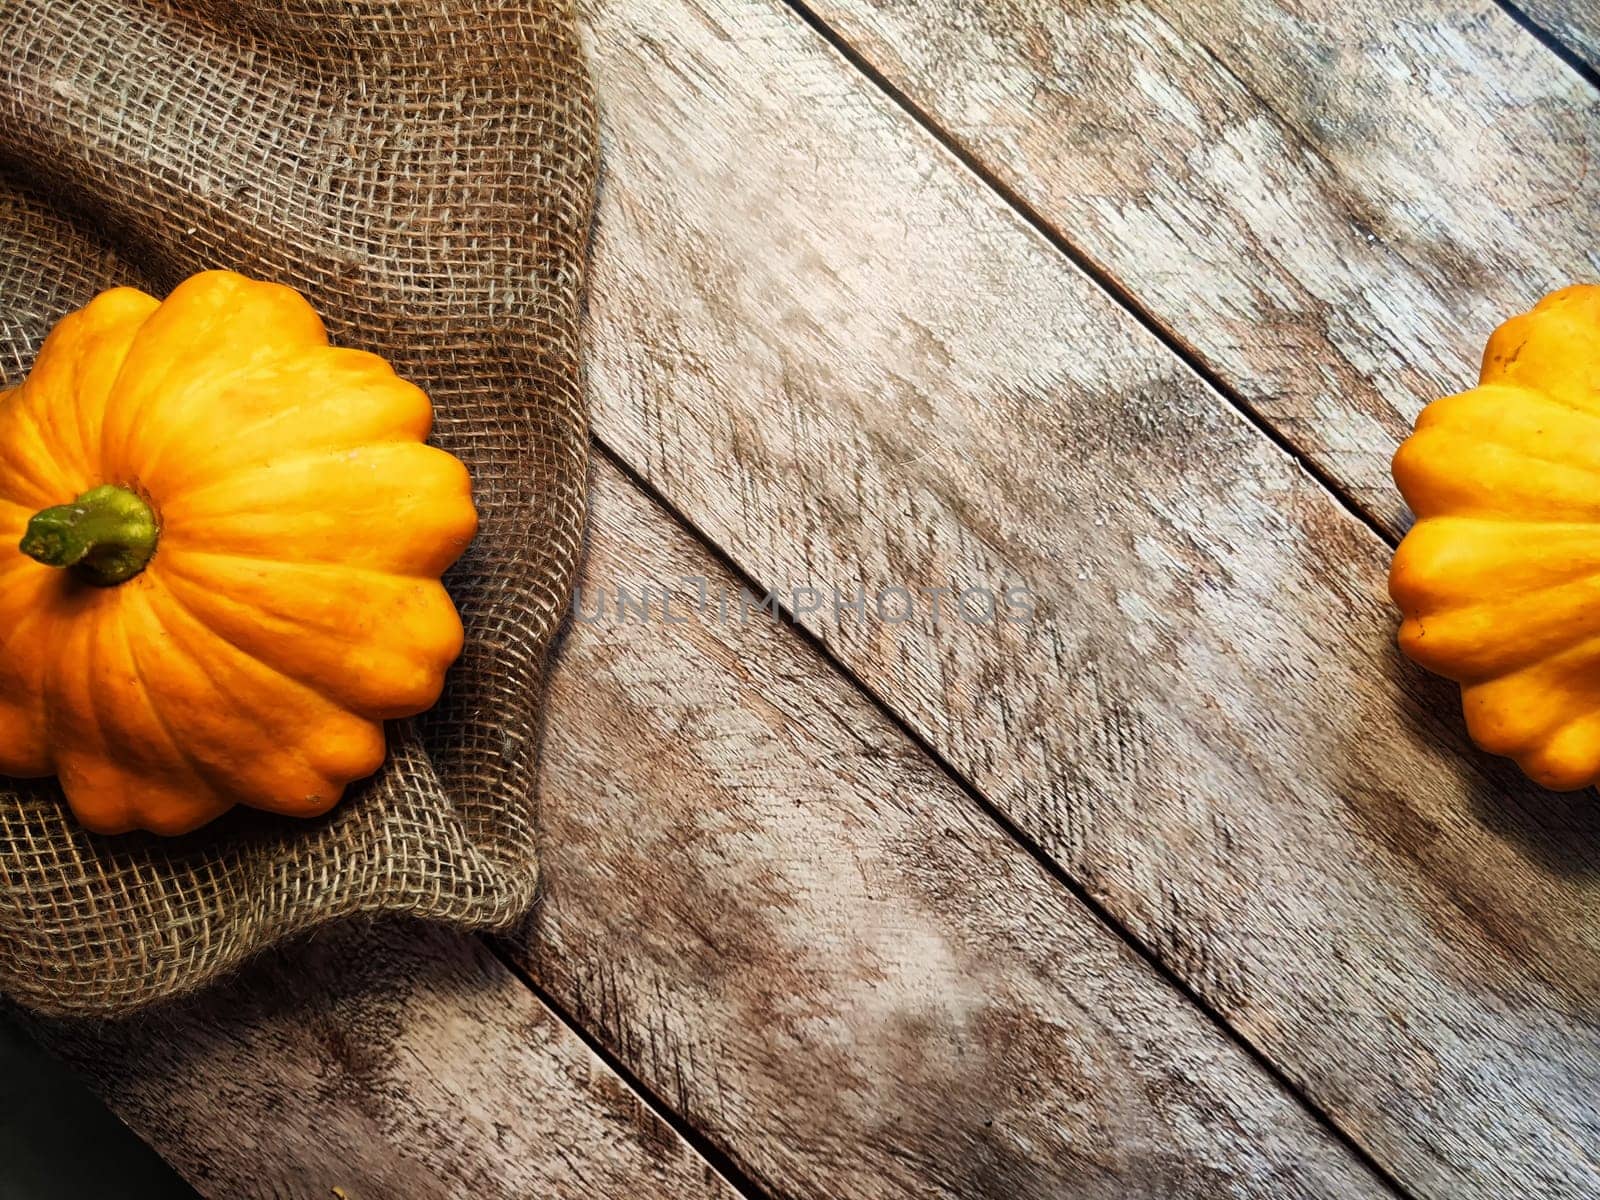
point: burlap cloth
(424, 171)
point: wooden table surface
(1185, 885)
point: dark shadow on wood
(58, 1141)
(1557, 833)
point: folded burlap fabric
(423, 170)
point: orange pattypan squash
(1499, 579)
(220, 549)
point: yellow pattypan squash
(1499, 579)
(220, 549)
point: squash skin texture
(293, 600)
(1499, 579)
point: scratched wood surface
(391, 1062)
(793, 926)
(844, 359)
(1330, 202)
(1575, 24)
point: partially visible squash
(220, 548)
(1499, 579)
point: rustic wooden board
(1573, 23)
(396, 1062)
(1331, 202)
(798, 931)
(845, 360)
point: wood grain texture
(1330, 202)
(797, 930)
(1573, 23)
(393, 1062)
(847, 362)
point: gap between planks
(1553, 42)
(718, 1159)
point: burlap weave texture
(423, 170)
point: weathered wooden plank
(1575, 24)
(1331, 202)
(795, 928)
(848, 362)
(391, 1062)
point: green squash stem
(106, 535)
